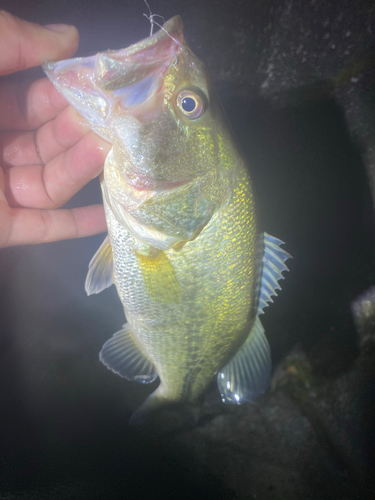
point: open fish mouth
(127, 81)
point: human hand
(47, 151)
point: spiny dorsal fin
(247, 375)
(122, 355)
(273, 267)
(100, 275)
(159, 276)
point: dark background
(297, 82)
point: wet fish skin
(183, 248)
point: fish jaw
(123, 82)
(130, 97)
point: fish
(183, 247)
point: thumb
(24, 45)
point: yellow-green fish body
(190, 335)
(183, 247)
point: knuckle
(46, 226)
(12, 32)
(7, 21)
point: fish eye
(190, 103)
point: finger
(61, 134)
(35, 186)
(27, 106)
(24, 45)
(18, 149)
(2, 186)
(30, 148)
(31, 226)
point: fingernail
(60, 28)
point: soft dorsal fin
(247, 375)
(100, 275)
(272, 269)
(122, 355)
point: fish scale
(183, 247)
(175, 331)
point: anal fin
(122, 355)
(248, 373)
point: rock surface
(297, 81)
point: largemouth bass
(183, 246)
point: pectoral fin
(159, 276)
(100, 275)
(247, 375)
(122, 355)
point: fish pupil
(188, 104)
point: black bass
(183, 247)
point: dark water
(63, 416)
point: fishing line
(151, 18)
(152, 22)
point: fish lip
(98, 77)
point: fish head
(155, 102)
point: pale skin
(47, 151)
